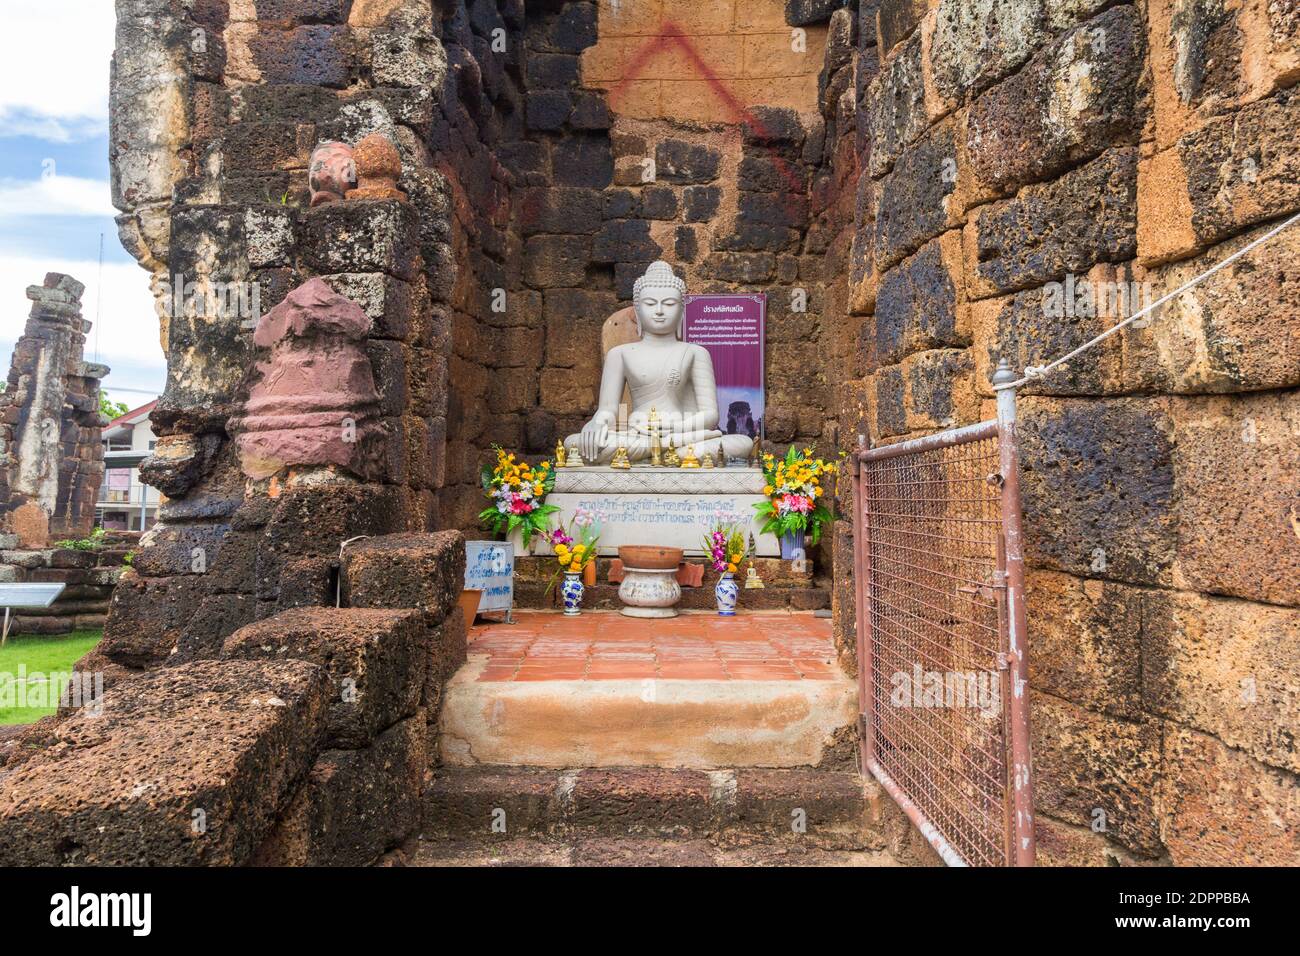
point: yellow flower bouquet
(575, 548)
(793, 486)
(518, 492)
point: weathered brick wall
(666, 130)
(217, 108)
(303, 739)
(679, 60)
(476, 143)
(1009, 146)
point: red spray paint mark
(672, 35)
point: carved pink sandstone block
(313, 401)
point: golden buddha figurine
(620, 459)
(560, 455)
(671, 458)
(752, 580)
(656, 448)
(689, 460)
(707, 462)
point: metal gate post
(861, 573)
(1017, 647)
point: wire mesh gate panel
(941, 681)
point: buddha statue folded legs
(664, 374)
(638, 446)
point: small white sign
(490, 568)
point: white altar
(672, 507)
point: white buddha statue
(663, 373)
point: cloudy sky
(54, 195)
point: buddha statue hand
(669, 423)
(593, 438)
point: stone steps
(632, 851)
(695, 691)
(698, 724)
(483, 810)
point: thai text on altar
(666, 509)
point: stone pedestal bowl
(649, 587)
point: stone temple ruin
(49, 415)
(52, 464)
(910, 182)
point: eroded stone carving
(51, 459)
(332, 172)
(314, 400)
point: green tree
(110, 408)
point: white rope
(1033, 372)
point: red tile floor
(605, 645)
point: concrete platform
(697, 691)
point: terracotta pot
(469, 604)
(650, 557)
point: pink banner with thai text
(731, 328)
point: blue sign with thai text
(490, 568)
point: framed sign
(731, 328)
(490, 568)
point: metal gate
(942, 669)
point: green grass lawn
(39, 655)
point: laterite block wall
(1009, 146)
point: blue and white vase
(725, 593)
(792, 545)
(571, 590)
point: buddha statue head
(659, 300)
